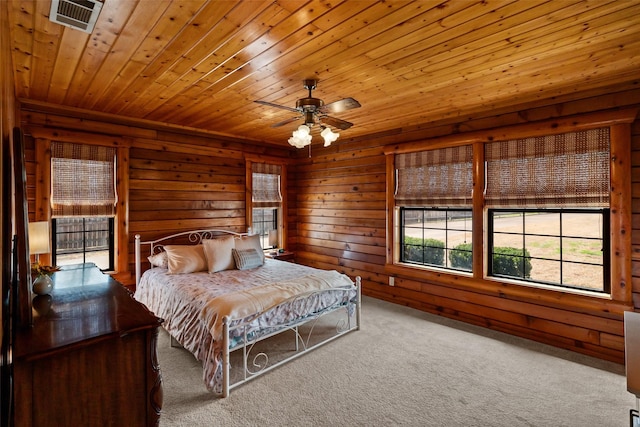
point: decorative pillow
(159, 259)
(250, 242)
(218, 253)
(247, 258)
(185, 258)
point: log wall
(341, 224)
(176, 180)
(180, 180)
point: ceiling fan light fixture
(328, 136)
(301, 137)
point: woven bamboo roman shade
(440, 177)
(266, 185)
(565, 170)
(82, 180)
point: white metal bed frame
(345, 323)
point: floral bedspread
(182, 301)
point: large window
(83, 203)
(545, 211)
(548, 200)
(563, 247)
(266, 203)
(433, 200)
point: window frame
(110, 238)
(619, 123)
(282, 225)
(43, 138)
(402, 230)
(606, 245)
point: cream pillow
(250, 242)
(159, 259)
(218, 253)
(185, 258)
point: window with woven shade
(266, 200)
(548, 216)
(83, 204)
(82, 180)
(266, 185)
(433, 198)
(570, 169)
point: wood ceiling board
(199, 65)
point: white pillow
(159, 259)
(247, 258)
(185, 258)
(218, 253)
(250, 242)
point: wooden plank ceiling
(201, 64)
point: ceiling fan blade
(284, 122)
(270, 104)
(340, 124)
(340, 106)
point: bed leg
(358, 301)
(225, 356)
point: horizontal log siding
(336, 212)
(341, 224)
(178, 181)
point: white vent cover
(79, 14)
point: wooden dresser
(90, 357)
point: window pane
(582, 250)
(545, 271)
(551, 253)
(583, 276)
(510, 222)
(543, 246)
(265, 220)
(84, 240)
(436, 237)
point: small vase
(43, 285)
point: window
(563, 247)
(433, 201)
(437, 237)
(266, 202)
(551, 199)
(83, 203)
(548, 200)
(82, 240)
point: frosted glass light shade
(329, 136)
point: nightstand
(282, 256)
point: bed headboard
(193, 237)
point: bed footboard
(348, 316)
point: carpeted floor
(408, 368)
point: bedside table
(282, 256)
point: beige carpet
(406, 367)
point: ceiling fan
(314, 111)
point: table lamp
(39, 239)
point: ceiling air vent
(79, 14)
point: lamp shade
(39, 239)
(329, 136)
